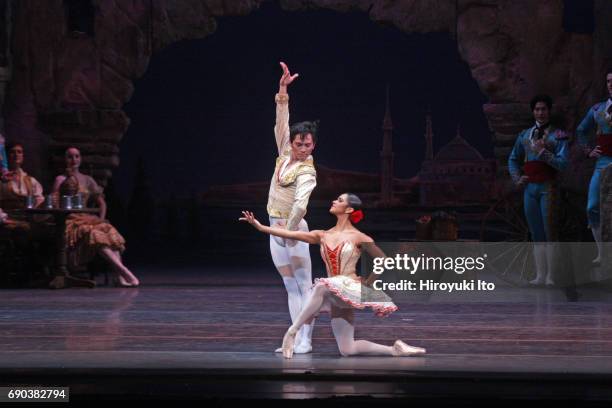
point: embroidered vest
(282, 189)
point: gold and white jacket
(291, 186)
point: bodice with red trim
(342, 259)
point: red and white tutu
(355, 294)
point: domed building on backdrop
(457, 174)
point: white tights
(343, 328)
(344, 332)
(292, 259)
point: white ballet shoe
(279, 350)
(537, 281)
(303, 343)
(303, 348)
(401, 349)
(288, 343)
(550, 282)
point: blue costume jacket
(541, 167)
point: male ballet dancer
(293, 180)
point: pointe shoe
(401, 349)
(537, 281)
(550, 282)
(300, 349)
(288, 343)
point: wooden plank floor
(230, 321)
(218, 315)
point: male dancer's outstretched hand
(286, 78)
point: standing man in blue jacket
(539, 153)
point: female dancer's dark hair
(354, 201)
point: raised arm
(311, 237)
(281, 128)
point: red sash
(605, 142)
(538, 171)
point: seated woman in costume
(88, 234)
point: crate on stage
(440, 226)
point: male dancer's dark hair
(541, 98)
(302, 129)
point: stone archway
(70, 91)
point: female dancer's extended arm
(312, 237)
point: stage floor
(219, 327)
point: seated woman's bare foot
(123, 281)
(131, 278)
(120, 282)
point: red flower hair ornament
(356, 216)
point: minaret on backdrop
(386, 175)
(428, 136)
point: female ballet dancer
(342, 291)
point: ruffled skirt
(355, 294)
(86, 233)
